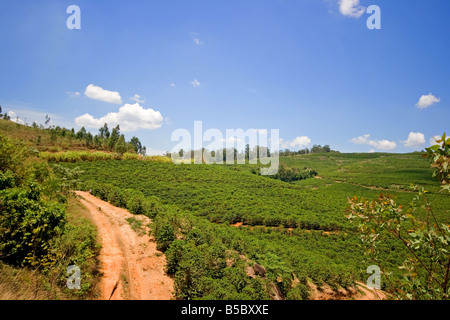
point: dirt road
(132, 267)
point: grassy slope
(370, 174)
(30, 136)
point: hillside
(297, 231)
(42, 139)
(55, 139)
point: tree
(89, 139)
(114, 137)
(104, 131)
(136, 144)
(121, 145)
(47, 119)
(247, 152)
(426, 242)
(97, 141)
(81, 134)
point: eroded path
(132, 267)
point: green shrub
(164, 236)
(27, 224)
(174, 255)
(135, 204)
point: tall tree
(104, 131)
(47, 119)
(136, 144)
(247, 152)
(114, 137)
(89, 139)
(121, 145)
(81, 134)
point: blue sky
(310, 68)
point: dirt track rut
(132, 267)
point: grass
(136, 225)
(40, 139)
(24, 284)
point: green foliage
(426, 242)
(56, 139)
(76, 246)
(77, 156)
(164, 236)
(135, 224)
(425, 271)
(296, 230)
(69, 178)
(439, 155)
(135, 204)
(27, 224)
(174, 255)
(223, 193)
(287, 174)
(34, 229)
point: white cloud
(73, 94)
(361, 140)
(298, 142)
(130, 117)
(433, 140)
(154, 152)
(231, 140)
(195, 83)
(14, 118)
(198, 42)
(415, 139)
(172, 84)
(30, 115)
(351, 8)
(384, 144)
(137, 98)
(98, 93)
(426, 101)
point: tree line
(255, 153)
(315, 149)
(106, 140)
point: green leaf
(434, 148)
